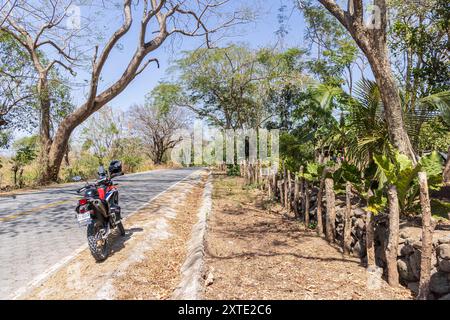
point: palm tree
(363, 130)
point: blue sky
(259, 33)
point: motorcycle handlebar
(101, 181)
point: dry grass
(158, 275)
(255, 251)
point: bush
(233, 170)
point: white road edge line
(57, 266)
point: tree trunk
(21, 178)
(66, 156)
(44, 127)
(370, 246)
(307, 204)
(331, 210)
(392, 247)
(347, 219)
(15, 169)
(446, 174)
(56, 155)
(392, 104)
(373, 42)
(427, 239)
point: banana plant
(313, 172)
(403, 174)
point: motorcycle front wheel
(99, 247)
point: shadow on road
(118, 241)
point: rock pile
(409, 250)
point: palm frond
(437, 104)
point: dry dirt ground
(145, 264)
(255, 251)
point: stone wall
(408, 260)
(409, 247)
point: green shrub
(233, 170)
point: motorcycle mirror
(76, 178)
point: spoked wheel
(99, 247)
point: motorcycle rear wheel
(99, 248)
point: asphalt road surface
(38, 229)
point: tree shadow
(283, 234)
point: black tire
(100, 253)
(121, 229)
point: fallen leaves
(260, 252)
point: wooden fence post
(275, 184)
(261, 177)
(289, 193)
(285, 186)
(245, 171)
(269, 183)
(347, 219)
(370, 243)
(302, 190)
(392, 247)
(427, 239)
(331, 210)
(296, 191)
(307, 204)
(320, 203)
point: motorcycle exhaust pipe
(100, 207)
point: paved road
(38, 229)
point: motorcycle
(99, 210)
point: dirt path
(254, 251)
(146, 263)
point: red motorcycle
(99, 210)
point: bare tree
(172, 17)
(372, 40)
(157, 128)
(40, 29)
(101, 131)
(5, 9)
(16, 78)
